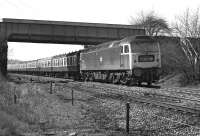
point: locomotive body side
(104, 59)
(106, 63)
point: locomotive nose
(137, 72)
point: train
(134, 59)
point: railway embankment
(29, 107)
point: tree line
(186, 27)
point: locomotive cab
(146, 60)
(125, 56)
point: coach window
(57, 62)
(61, 64)
(121, 48)
(54, 64)
(65, 61)
(70, 60)
(73, 60)
(126, 49)
(48, 63)
(62, 60)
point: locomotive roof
(129, 39)
(66, 54)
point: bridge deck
(40, 31)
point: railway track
(125, 94)
(149, 93)
(187, 91)
(167, 102)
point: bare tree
(188, 24)
(153, 24)
(187, 27)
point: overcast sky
(95, 11)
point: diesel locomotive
(134, 59)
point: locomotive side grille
(146, 58)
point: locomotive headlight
(137, 72)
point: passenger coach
(64, 65)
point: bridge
(59, 32)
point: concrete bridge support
(3, 57)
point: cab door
(121, 57)
(124, 56)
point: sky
(93, 11)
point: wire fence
(127, 117)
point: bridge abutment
(3, 57)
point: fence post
(51, 89)
(15, 99)
(72, 97)
(127, 117)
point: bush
(8, 125)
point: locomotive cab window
(126, 49)
(121, 48)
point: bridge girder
(38, 31)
